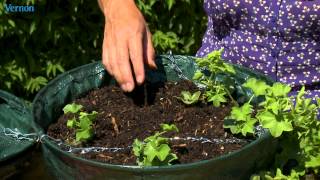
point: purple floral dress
(280, 38)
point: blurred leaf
(32, 27)
(34, 84)
(61, 35)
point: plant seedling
(241, 120)
(81, 122)
(154, 150)
(215, 92)
(188, 98)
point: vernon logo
(14, 8)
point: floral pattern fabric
(280, 38)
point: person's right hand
(127, 43)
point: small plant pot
(48, 104)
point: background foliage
(60, 35)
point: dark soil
(125, 116)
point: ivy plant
(294, 121)
(155, 150)
(188, 98)
(81, 122)
(215, 91)
(241, 120)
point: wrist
(108, 7)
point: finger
(136, 56)
(124, 65)
(112, 58)
(114, 65)
(105, 58)
(149, 51)
(106, 61)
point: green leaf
(241, 113)
(32, 27)
(84, 135)
(163, 152)
(280, 176)
(137, 147)
(197, 75)
(314, 162)
(233, 125)
(276, 127)
(170, 3)
(150, 151)
(185, 94)
(71, 123)
(248, 127)
(257, 86)
(12, 23)
(169, 127)
(72, 108)
(154, 146)
(91, 116)
(217, 99)
(195, 96)
(34, 84)
(85, 123)
(188, 98)
(280, 90)
(318, 101)
(52, 69)
(171, 157)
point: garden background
(60, 35)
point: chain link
(175, 67)
(212, 141)
(179, 72)
(17, 135)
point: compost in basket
(162, 123)
(121, 118)
(68, 158)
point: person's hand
(127, 43)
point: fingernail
(139, 79)
(124, 87)
(129, 87)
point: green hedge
(61, 35)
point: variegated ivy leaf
(279, 89)
(84, 134)
(72, 108)
(241, 113)
(188, 98)
(275, 123)
(169, 127)
(258, 87)
(137, 147)
(71, 123)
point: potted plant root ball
(193, 118)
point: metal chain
(17, 135)
(175, 67)
(80, 150)
(212, 141)
(71, 149)
(180, 73)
